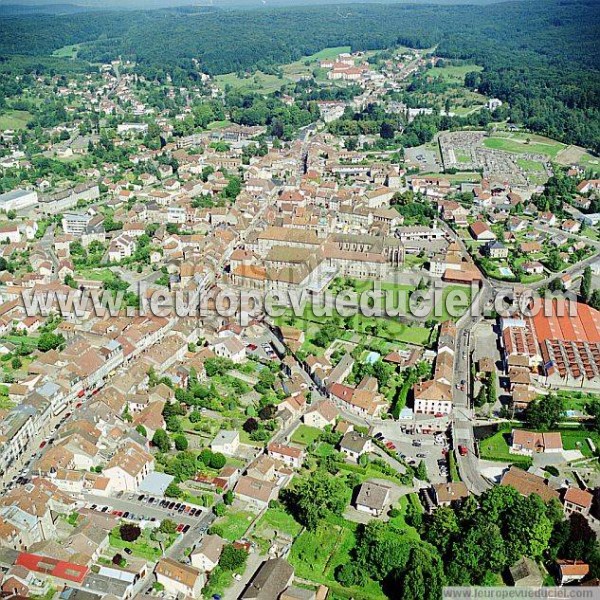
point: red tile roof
(50, 566)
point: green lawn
(399, 521)
(259, 82)
(102, 274)
(234, 525)
(144, 546)
(576, 439)
(520, 143)
(306, 435)
(278, 519)
(14, 119)
(218, 125)
(67, 51)
(315, 555)
(496, 448)
(306, 64)
(453, 74)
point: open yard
(144, 546)
(277, 519)
(233, 525)
(305, 435)
(496, 447)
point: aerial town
(261, 456)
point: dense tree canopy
(547, 70)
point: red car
(180, 527)
(390, 446)
(462, 450)
(43, 444)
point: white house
(128, 467)
(206, 556)
(321, 415)
(372, 498)
(226, 442)
(179, 578)
(231, 348)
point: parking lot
(140, 510)
(415, 448)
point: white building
(18, 199)
(226, 442)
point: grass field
(305, 65)
(316, 555)
(399, 521)
(103, 274)
(496, 448)
(234, 525)
(258, 82)
(453, 74)
(389, 329)
(67, 51)
(218, 125)
(264, 83)
(305, 435)
(277, 519)
(522, 143)
(14, 119)
(144, 546)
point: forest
(542, 57)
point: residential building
(372, 498)
(354, 445)
(226, 442)
(178, 578)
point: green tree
(232, 558)
(50, 341)
(181, 442)
(173, 491)
(545, 413)
(313, 498)
(424, 575)
(217, 461)
(161, 440)
(167, 526)
(585, 288)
